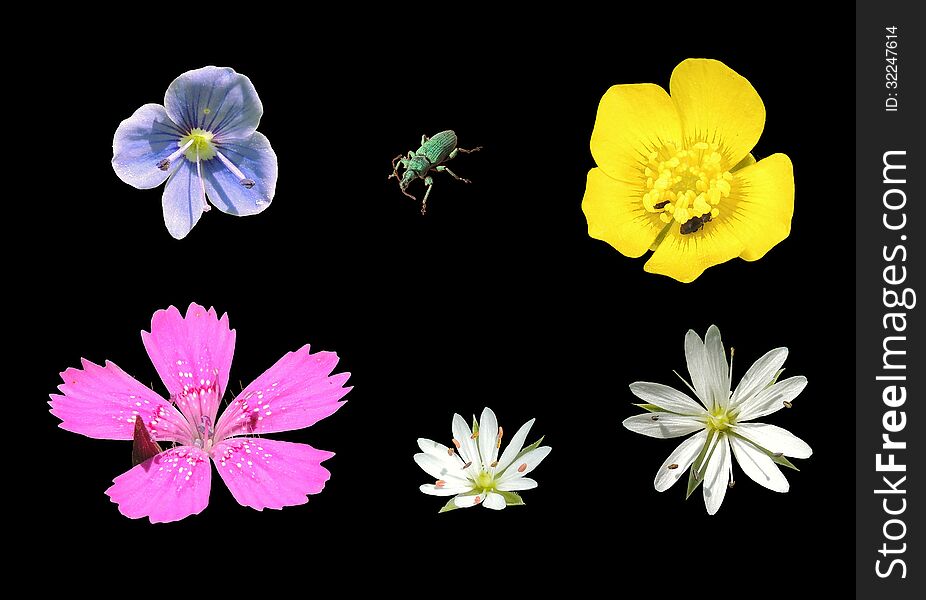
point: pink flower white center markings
(193, 356)
(471, 470)
(721, 421)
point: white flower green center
(720, 421)
(485, 481)
(473, 472)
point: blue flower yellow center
(201, 146)
(686, 185)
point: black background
(496, 297)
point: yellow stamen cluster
(201, 148)
(719, 420)
(485, 481)
(686, 184)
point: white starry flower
(471, 470)
(722, 421)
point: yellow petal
(716, 104)
(762, 203)
(633, 120)
(685, 257)
(615, 214)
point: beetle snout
(407, 178)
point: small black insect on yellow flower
(694, 224)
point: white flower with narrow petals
(722, 421)
(471, 470)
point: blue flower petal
(256, 160)
(215, 99)
(182, 200)
(140, 143)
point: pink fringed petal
(269, 473)
(168, 487)
(103, 402)
(296, 392)
(191, 352)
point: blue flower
(204, 143)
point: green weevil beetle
(433, 152)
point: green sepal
(451, 506)
(662, 235)
(781, 460)
(693, 480)
(651, 408)
(692, 483)
(475, 426)
(511, 498)
(775, 378)
(524, 451)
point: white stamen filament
(165, 164)
(242, 179)
(730, 373)
(202, 182)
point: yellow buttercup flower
(675, 174)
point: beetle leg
(424, 139)
(442, 169)
(395, 170)
(464, 151)
(428, 182)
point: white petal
(718, 378)
(463, 434)
(488, 434)
(514, 448)
(697, 366)
(771, 399)
(440, 453)
(525, 464)
(532, 459)
(682, 456)
(439, 469)
(759, 375)
(758, 466)
(446, 490)
(666, 397)
(467, 501)
(717, 475)
(494, 501)
(664, 426)
(774, 439)
(433, 448)
(514, 485)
